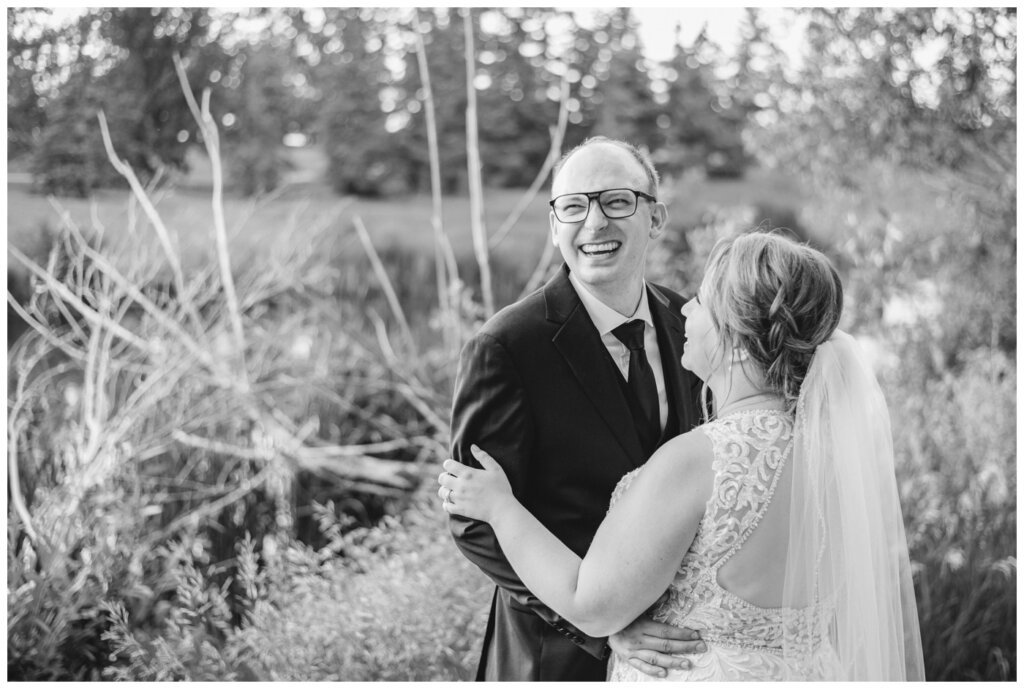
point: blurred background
(233, 324)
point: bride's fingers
(452, 467)
(446, 480)
(646, 667)
(486, 461)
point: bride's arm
(637, 548)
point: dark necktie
(641, 384)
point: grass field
(256, 227)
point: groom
(570, 389)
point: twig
(14, 485)
(557, 136)
(43, 330)
(158, 314)
(385, 284)
(473, 165)
(358, 450)
(211, 140)
(194, 517)
(217, 447)
(444, 258)
(154, 218)
(92, 316)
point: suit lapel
(679, 382)
(580, 345)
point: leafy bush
(400, 605)
(927, 262)
(955, 439)
(257, 167)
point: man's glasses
(614, 203)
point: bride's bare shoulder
(687, 455)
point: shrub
(401, 605)
(955, 439)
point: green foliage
(916, 192)
(627, 109)
(938, 299)
(361, 158)
(401, 605)
(517, 106)
(128, 436)
(55, 596)
(70, 159)
(927, 262)
(26, 57)
(257, 167)
(923, 87)
(956, 440)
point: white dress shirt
(606, 319)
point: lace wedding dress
(745, 641)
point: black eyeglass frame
(591, 195)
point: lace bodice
(744, 640)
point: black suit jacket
(538, 390)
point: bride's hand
(474, 493)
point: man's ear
(554, 228)
(659, 219)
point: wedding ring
(448, 499)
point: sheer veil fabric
(848, 581)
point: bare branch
(43, 330)
(91, 315)
(154, 218)
(557, 136)
(385, 284)
(473, 165)
(444, 258)
(14, 484)
(212, 141)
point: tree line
(348, 79)
(921, 86)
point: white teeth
(599, 248)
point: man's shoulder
(512, 322)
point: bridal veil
(848, 579)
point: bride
(775, 527)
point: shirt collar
(606, 318)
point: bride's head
(768, 302)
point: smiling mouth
(602, 249)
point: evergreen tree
(444, 41)
(128, 72)
(516, 107)
(627, 110)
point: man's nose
(595, 216)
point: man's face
(606, 255)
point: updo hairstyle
(778, 300)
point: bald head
(642, 159)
